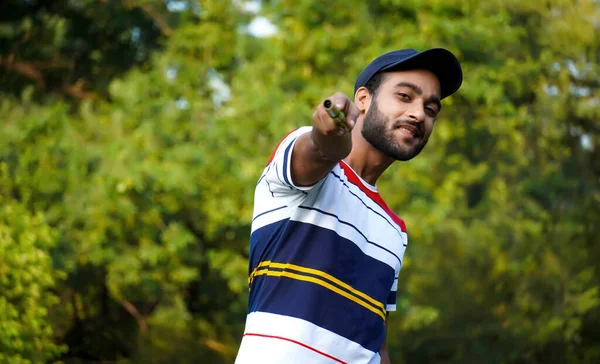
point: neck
(368, 162)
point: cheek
(399, 109)
(391, 107)
(429, 124)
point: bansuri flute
(336, 114)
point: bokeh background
(133, 133)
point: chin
(407, 153)
(404, 158)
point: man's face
(402, 112)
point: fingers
(337, 115)
(352, 114)
(325, 124)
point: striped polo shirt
(323, 267)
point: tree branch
(25, 69)
(162, 24)
(214, 345)
(165, 29)
(133, 311)
(77, 91)
(32, 70)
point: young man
(325, 249)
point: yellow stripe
(261, 264)
(321, 283)
(331, 278)
(269, 263)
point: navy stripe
(315, 247)
(319, 305)
(260, 271)
(279, 178)
(311, 246)
(266, 212)
(265, 242)
(354, 227)
(391, 300)
(368, 207)
(285, 161)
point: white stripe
(351, 209)
(390, 308)
(395, 285)
(358, 193)
(255, 349)
(348, 232)
(274, 182)
(281, 158)
(270, 217)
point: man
(325, 250)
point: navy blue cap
(439, 61)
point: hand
(328, 124)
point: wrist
(331, 147)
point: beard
(378, 131)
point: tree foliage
(134, 133)
(26, 282)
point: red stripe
(278, 144)
(299, 343)
(354, 179)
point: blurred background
(133, 133)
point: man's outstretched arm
(316, 153)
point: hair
(374, 82)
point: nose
(416, 112)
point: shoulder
(288, 139)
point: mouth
(410, 130)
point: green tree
(126, 178)
(502, 205)
(128, 173)
(27, 282)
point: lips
(410, 130)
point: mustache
(418, 126)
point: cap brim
(440, 62)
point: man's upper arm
(280, 174)
(308, 164)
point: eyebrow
(419, 91)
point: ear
(362, 99)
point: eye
(403, 96)
(431, 112)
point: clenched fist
(336, 115)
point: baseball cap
(439, 61)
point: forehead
(424, 79)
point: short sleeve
(390, 304)
(278, 173)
